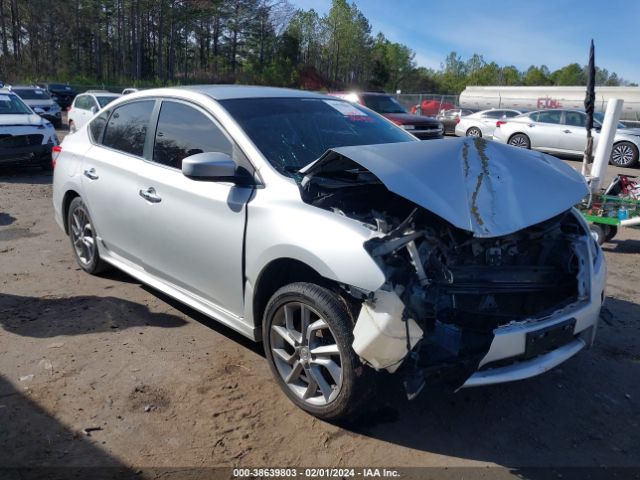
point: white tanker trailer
(536, 98)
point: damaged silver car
(336, 238)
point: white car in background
(563, 132)
(482, 124)
(25, 137)
(85, 105)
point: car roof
(228, 92)
(101, 94)
(26, 87)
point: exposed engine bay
(454, 287)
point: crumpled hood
(484, 187)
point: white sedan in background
(85, 105)
(482, 124)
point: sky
(510, 32)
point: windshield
(12, 105)
(105, 100)
(599, 117)
(31, 94)
(383, 104)
(293, 132)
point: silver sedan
(340, 241)
(562, 131)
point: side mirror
(94, 109)
(38, 110)
(210, 166)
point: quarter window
(184, 131)
(127, 127)
(96, 127)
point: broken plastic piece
(380, 334)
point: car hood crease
(487, 188)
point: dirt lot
(163, 386)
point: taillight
(500, 122)
(55, 151)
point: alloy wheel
(82, 235)
(622, 155)
(306, 354)
(519, 141)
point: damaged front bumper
(508, 360)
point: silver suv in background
(563, 132)
(86, 104)
(336, 238)
(40, 102)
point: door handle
(91, 174)
(531, 125)
(567, 131)
(150, 195)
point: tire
(474, 132)
(520, 140)
(598, 233)
(611, 233)
(297, 359)
(72, 127)
(624, 154)
(83, 238)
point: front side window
(184, 131)
(127, 127)
(550, 116)
(292, 132)
(82, 102)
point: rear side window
(551, 116)
(510, 114)
(184, 131)
(127, 127)
(494, 114)
(575, 119)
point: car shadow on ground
(28, 175)
(33, 444)
(581, 414)
(50, 317)
(622, 246)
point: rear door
(110, 177)
(545, 130)
(574, 138)
(193, 230)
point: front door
(192, 230)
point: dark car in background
(62, 94)
(424, 128)
(451, 117)
(40, 102)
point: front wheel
(520, 140)
(307, 333)
(624, 154)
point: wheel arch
(278, 273)
(66, 201)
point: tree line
(268, 42)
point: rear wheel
(307, 333)
(520, 140)
(83, 238)
(624, 154)
(474, 132)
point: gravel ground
(98, 371)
